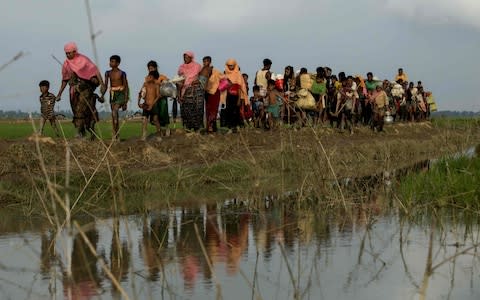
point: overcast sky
(436, 41)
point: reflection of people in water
(154, 239)
(119, 255)
(214, 246)
(227, 244)
(85, 279)
(289, 229)
(267, 229)
(189, 250)
(236, 233)
(47, 252)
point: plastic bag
(168, 89)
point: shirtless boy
(118, 91)
(206, 71)
(150, 105)
(274, 102)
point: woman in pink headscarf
(83, 77)
(192, 94)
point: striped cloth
(47, 103)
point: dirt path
(353, 155)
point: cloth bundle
(397, 90)
(305, 100)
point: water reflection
(119, 257)
(231, 251)
(85, 278)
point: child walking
(47, 104)
(151, 94)
(118, 91)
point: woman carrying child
(83, 77)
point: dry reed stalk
(244, 142)
(255, 279)
(330, 166)
(296, 292)
(251, 285)
(104, 158)
(209, 263)
(428, 267)
(52, 188)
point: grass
(19, 129)
(450, 182)
(227, 170)
(456, 123)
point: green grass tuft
(453, 182)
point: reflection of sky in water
(338, 259)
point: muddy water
(230, 252)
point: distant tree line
(454, 113)
(18, 114)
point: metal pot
(388, 118)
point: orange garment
(160, 79)
(403, 77)
(305, 81)
(362, 84)
(213, 81)
(235, 77)
(380, 99)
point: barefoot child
(150, 106)
(118, 91)
(47, 103)
(257, 106)
(206, 71)
(274, 101)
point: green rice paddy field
(18, 129)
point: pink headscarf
(69, 47)
(189, 71)
(79, 64)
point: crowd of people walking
(206, 94)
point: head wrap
(81, 65)
(190, 54)
(235, 77)
(362, 84)
(70, 47)
(189, 71)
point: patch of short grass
(16, 129)
(451, 182)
